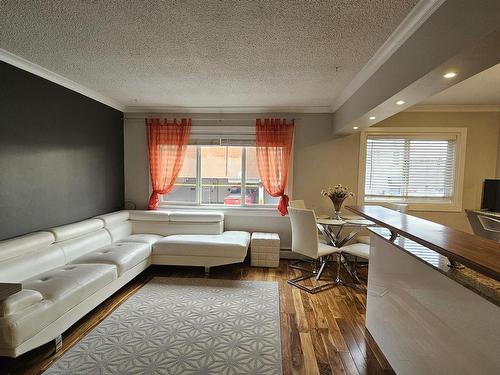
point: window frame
(455, 205)
(243, 205)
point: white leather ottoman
(265, 249)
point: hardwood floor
(320, 334)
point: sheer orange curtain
(274, 146)
(167, 143)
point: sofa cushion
(85, 244)
(114, 217)
(142, 238)
(26, 266)
(62, 289)
(26, 244)
(70, 284)
(119, 231)
(197, 217)
(17, 302)
(123, 255)
(70, 231)
(149, 215)
(228, 244)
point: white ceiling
(203, 53)
(480, 89)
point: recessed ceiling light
(450, 75)
(355, 127)
(372, 117)
(400, 102)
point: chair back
(304, 232)
(485, 226)
(490, 224)
(298, 203)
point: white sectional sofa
(67, 271)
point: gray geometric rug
(185, 326)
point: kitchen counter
(428, 317)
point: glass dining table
(338, 233)
(335, 230)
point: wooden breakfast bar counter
(428, 317)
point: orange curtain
(167, 142)
(274, 145)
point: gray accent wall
(61, 155)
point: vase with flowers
(338, 194)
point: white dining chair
(361, 249)
(399, 207)
(305, 241)
(485, 226)
(300, 203)
(355, 250)
(297, 203)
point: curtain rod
(212, 119)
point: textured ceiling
(203, 53)
(483, 88)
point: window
(221, 175)
(419, 166)
(217, 175)
(185, 187)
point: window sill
(238, 210)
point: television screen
(491, 195)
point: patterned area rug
(185, 326)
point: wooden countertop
(477, 253)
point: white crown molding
(40, 71)
(234, 109)
(454, 108)
(418, 15)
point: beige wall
(480, 158)
(321, 160)
(498, 147)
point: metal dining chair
(399, 207)
(361, 249)
(305, 241)
(484, 226)
(355, 250)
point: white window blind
(222, 135)
(411, 168)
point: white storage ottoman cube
(265, 249)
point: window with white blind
(422, 167)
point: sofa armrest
(19, 301)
